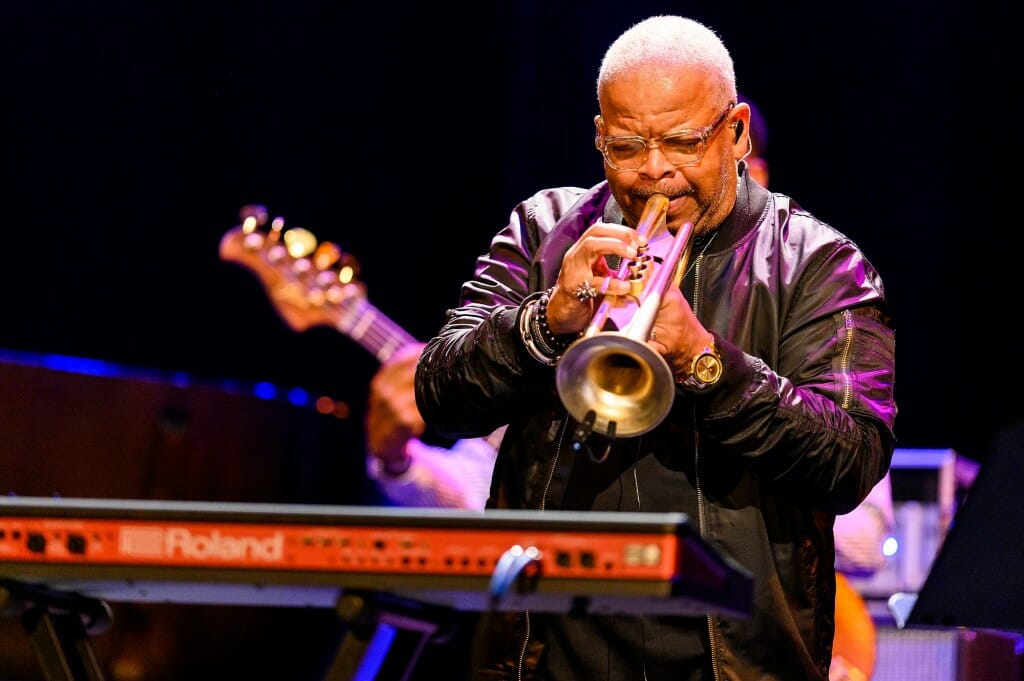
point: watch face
(707, 369)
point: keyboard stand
(384, 638)
(59, 624)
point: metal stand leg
(62, 646)
(57, 623)
(384, 639)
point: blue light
(265, 390)
(81, 365)
(298, 397)
(230, 385)
(376, 651)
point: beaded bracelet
(558, 343)
(539, 339)
(537, 334)
(526, 323)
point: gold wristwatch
(705, 369)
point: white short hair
(670, 40)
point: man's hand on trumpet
(677, 334)
(585, 275)
(585, 279)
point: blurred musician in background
(407, 470)
(757, 160)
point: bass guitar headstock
(309, 283)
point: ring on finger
(585, 291)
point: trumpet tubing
(613, 382)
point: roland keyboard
(308, 555)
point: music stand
(975, 581)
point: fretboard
(372, 329)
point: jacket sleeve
(818, 417)
(476, 374)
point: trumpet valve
(639, 274)
(636, 284)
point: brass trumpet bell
(618, 386)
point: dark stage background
(134, 131)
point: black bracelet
(538, 338)
(557, 343)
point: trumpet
(612, 382)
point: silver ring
(654, 334)
(585, 292)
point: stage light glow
(890, 546)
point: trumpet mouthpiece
(654, 215)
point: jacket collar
(746, 213)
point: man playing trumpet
(781, 354)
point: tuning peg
(348, 268)
(299, 242)
(325, 255)
(253, 215)
(276, 228)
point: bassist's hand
(392, 418)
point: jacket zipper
(521, 663)
(844, 362)
(701, 515)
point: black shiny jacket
(799, 428)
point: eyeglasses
(681, 148)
